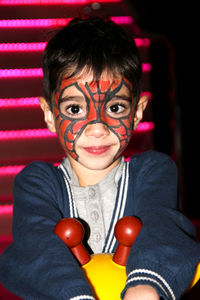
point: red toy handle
(71, 232)
(126, 231)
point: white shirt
(95, 203)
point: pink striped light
(6, 209)
(146, 67)
(145, 126)
(38, 73)
(144, 93)
(53, 2)
(19, 102)
(145, 42)
(22, 47)
(26, 134)
(50, 23)
(21, 73)
(33, 23)
(39, 47)
(14, 170)
(10, 170)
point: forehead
(107, 83)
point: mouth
(97, 150)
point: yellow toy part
(106, 273)
(196, 277)
(107, 278)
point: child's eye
(116, 108)
(74, 109)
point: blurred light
(145, 42)
(38, 23)
(20, 73)
(19, 102)
(145, 93)
(14, 170)
(53, 2)
(145, 126)
(10, 170)
(6, 209)
(22, 47)
(146, 67)
(25, 134)
(33, 47)
(37, 72)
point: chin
(97, 164)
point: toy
(102, 270)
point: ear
(48, 115)
(140, 109)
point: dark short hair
(96, 43)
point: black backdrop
(177, 21)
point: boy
(92, 78)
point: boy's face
(94, 120)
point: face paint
(97, 106)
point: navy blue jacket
(39, 266)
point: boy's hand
(141, 292)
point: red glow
(53, 2)
(25, 134)
(142, 42)
(38, 73)
(20, 73)
(6, 209)
(50, 23)
(39, 47)
(146, 67)
(19, 102)
(10, 170)
(145, 126)
(14, 170)
(147, 93)
(22, 47)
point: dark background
(177, 23)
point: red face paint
(98, 97)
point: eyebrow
(122, 97)
(71, 98)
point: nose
(97, 130)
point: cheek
(66, 137)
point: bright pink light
(6, 209)
(19, 102)
(21, 73)
(53, 2)
(38, 73)
(38, 23)
(142, 42)
(33, 23)
(146, 67)
(14, 170)
(147, 93)
(25, 134)
(10, 170)
(22, 47)
(33, 47)
(145, 126)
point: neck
(87, 176)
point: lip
(97, 150)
